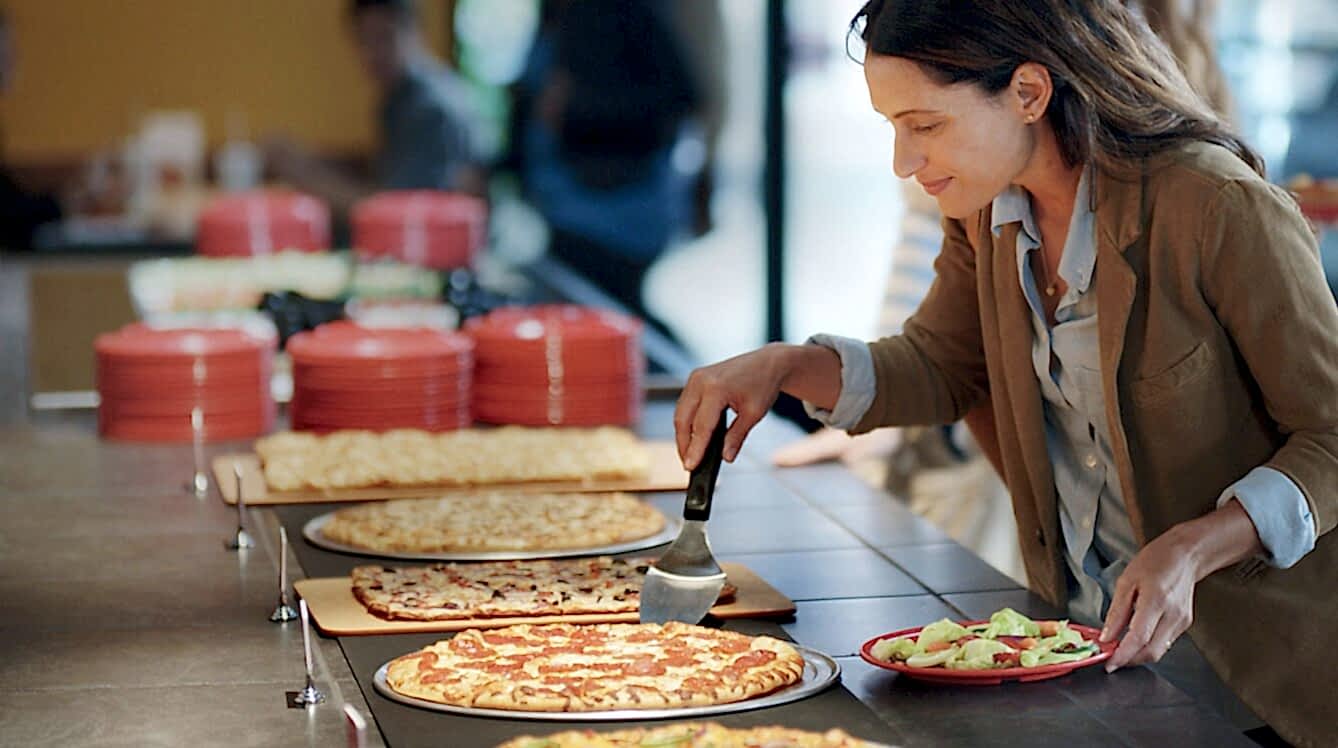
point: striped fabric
(912, 270)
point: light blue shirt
(1099, 540)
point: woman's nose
(905, 160)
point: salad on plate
(1008, 640)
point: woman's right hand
(748, 384)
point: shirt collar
(1013, 205)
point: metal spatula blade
(686, 581)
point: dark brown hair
(1118, 94)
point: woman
(1146, 316)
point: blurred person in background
(602, 138)
(943, 472)
(427, 124)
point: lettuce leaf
(1009, 622)
(934, 658)
(940, 631)
(895, 649)
(1054, 658)
(1065, 635)
(978, 654)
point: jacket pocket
(1163, 385)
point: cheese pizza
(494, 521)
(595, 667)
(295, 461)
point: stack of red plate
(557, 365)
(151, 382)
(441, 230)
(262, 222)
(350, 377)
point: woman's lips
(933, 188)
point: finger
(744, 421)
(1167, 631)
(684, 412)
(1121, 609)
(709, 411)
(1145, 620)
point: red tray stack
(350, 377)
(557, 365)
(262, 222)
(151, 381)
(440, 230)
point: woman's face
(962, 145)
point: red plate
(377, 374)
(387, 412)
(378, 398)
(540, 414)
(215, 428)
(350, 345)
(422, 227)
(567, 391)
(522, 377)
(444, 422)
(262, 222)
(140, 343)
(987, 677)
(113, 386)
(166, 408)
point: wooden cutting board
(337, 612)
(666, 474)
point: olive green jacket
(1219, 353)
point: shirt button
(1090, 462)
(1086, 523)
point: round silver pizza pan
(312, 532)
(820, 673)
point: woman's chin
(953, 206)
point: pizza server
(685, 582)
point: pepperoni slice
(644, 666)
(502, 667)
(495, 639)
(679, 659)
(427, 661)
(754, 658)
(731, 646)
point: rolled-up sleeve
(1279, 512)
(857, 382)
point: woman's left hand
(1154, 599)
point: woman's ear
(1030, 91)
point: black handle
(701, 484)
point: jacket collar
(1119, 201)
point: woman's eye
(922, 129)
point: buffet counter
(126, 620)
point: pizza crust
(692, 735)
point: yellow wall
(87, 69)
